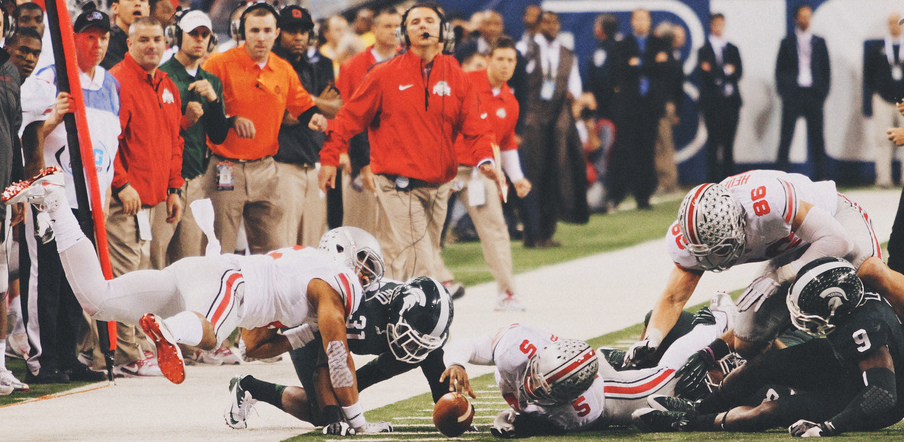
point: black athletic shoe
(47, 376)
(669, 403)
(650, 420)
(80, 373)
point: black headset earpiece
(9, 23)
(259, 5)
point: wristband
(172, 190)
(354, 414)
(299, 336)
(654, 335)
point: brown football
(453, 414)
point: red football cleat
(169, 356)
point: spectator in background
(148, 171)
(720, 68)
(241, 179)
(642, 87)
(361, 202)
(54, 313)
(489, 27)
(412, 152)
(363, 26)
(600, 70)
(337, 43)
(31, 15)
(125, 12)
(163, 11)
(299, 146)
(480, 195)
(531, 20)
(884, 80)
(203, 118)
(551, 150)
(803, 77)
(22, 51)
(664, 157)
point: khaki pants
(127, 254)
(359, 208)
(256, 198)
(491, 228)
(172, 242)
(666, 169)
(305, 207)
(409, 224)
(885, 116)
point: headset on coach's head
(240, 32)
(173, 32)
(446, 34)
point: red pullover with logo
(413, 119)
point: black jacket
(713, 82)
(786, 68)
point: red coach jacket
(412, 121)
(502, 115)
(150, 147)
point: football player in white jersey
(556, 385)
(199, 301)
(784, 219)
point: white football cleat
(45, 191)
(240, 404)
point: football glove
(504, 424)
(640, 352)
(340, 428)
(691, 382)
(805, 428)
(757, 293)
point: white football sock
(65, 228)
(186, 328)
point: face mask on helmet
(356, 249)
(712, 223)
(824, 291)
(420, 313)
(559, 373)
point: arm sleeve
(478, 351)
(433, 368)
(215, 123)
(120, 174)
(354, 117)
(178, 144)
(826, 236)
(476, 130)
(512, 165)
(869, 407)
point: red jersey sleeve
(354, 117)
(475, 127)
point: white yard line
(583, 299)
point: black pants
(805, 102)
(59, 314)
(721, 121)
(632, 166)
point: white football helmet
(712, 222)
(825, 289)
(356, 249)
(560, 372)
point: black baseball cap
(295, 17)
(92, 18)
